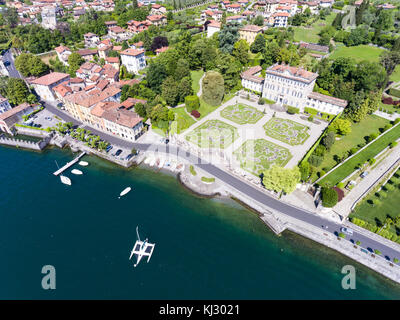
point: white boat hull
(76, 171)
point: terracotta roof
(112, 59)
(122, 117)
(214, 24)
(281, 14)
(251, 27)
(117, 29)
(249, 74)
(132, 52)
(63, 89)
(130, 102)
(295, 73)
(321, 97)
(50, 78)
(86, 52)
(100, 107)
(61, 49)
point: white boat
(83, 163)
(141, 249)
(65, 180)
(152, 162)
(76, 171)
(147, 160)
(124, 192)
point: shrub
(377, 252)
(192, 171)
(342, 235)
(292, 110)
(395, 260)
(340, 185)
(310, 118)
(208, 180)
(329, 197)
(320, 150)
(195, 114)
(372, 136)
(387, 127)
(353, 150)
(396, 121)
(358, 242)
(192, 103)
(393, 144)
(261, 101)
(371, 161)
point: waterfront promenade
(250, 192)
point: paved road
(7, 56)
(244, 188)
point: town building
(14, 115)
(45, 84)
(252, 80)
(249, 32)
(63, 54)
(91, 40)
(119, 34)
(49, 19)
(213, 27)
(133, 59)
(4, 104)
(124, 123)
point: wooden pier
(69, 164)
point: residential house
(249, 32)
(212, 27)
(119, 34)
(45, 84)
(63, 54)
(138, 26)
(87, 54)
(14, 115)
(157, 20)
(91, 40)
(133, 59)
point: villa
(133, 59)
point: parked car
(119, 151)
(129, 156)
(364, 174)
(347, 231)
(363, 250)
(6, 63)
(109, 147)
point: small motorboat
(65, 180)
(76, 171)
(124, 192)
(83, 163)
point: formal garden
(287, 131)
(213, 134)
(242, 114)
(258, 155)
(378, 212)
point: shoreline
(275, 221)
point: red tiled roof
(50, 78)
(321, 97)
(296, 73)
(132, 52)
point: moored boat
(76, 171)
(65, 180)
(83, 163)
(124, 192)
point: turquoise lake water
(205, 248)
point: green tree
(281, 179)
(75, 61)
(227, 37)
(192, 103)
(185, 88)
(17, 91)
(341, 126)
(170, 91)
(259, 44)
(213, 88)
(155, 76)
(329, 197)
(182, 69)
(241, 51)
(30, 65)
(329, 140)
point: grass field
(358, 53)
(389, 204)
(196, 75)
(287, 131)
(241, 114)
(370, 152)
(395, 76)
(182, 120)
(255, 156)
(359, 131)
(213, 134)
(311, 34)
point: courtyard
(286, 130)
(242, 114)
(257, 155)
(213, 134)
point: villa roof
(321, 97)
(122, 117)
(50, 78)
(295, 73)
(251, 28)
(249, 74)
(132, 52)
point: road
(243, 187)
(7, 56)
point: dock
(69, 164)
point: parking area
(43, 119)
(118, 152)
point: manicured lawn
(287, 131)
(182, 120)
(255, 156)
(205, 108)
(371, 124)
(196, 75)
(370, 152)
(311, 34)
(395, 76)
(376, 214)
(242, 114)
(358, 53)
(213, 134)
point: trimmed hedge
(292, 110)
(192, 103)
(394, 92)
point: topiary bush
(192, 103)
(195, 114)
(329, 197)
(213, 88)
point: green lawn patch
(192, 171)
(359, 131)
(287, 131)
(196, 75)
(358, 53)
(213, 134)
(207, 180)
(255, 156)
(395, 76)
(182, 120)
(241, 114)
(370, 152)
